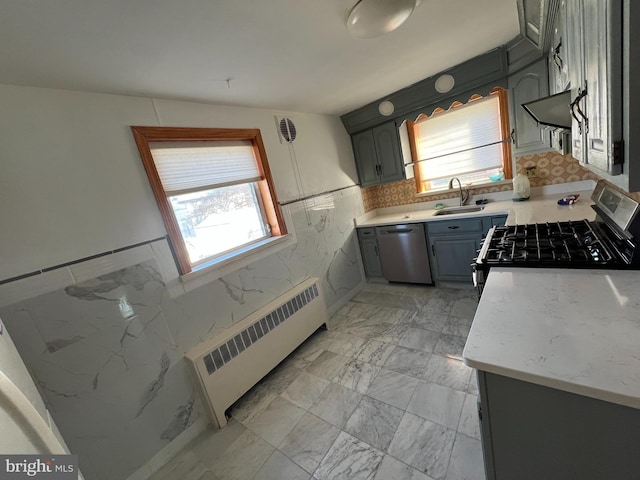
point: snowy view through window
(217, 220)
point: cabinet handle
(375, 248)
(433, 249)
(557, 59)
(453, 227)
(512, 136)
(581, 95)
(572, 108)
(575, 105)
(378, 172)
(380, 166)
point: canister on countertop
(521, 188)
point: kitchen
(73, 175)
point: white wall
(72, 183)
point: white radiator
(229, 364)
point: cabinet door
(602, 77)
(371, 257)
(387, 143)
(575, 59)
(364, 151)
(452, 257)
(558, 62)
(529, 84)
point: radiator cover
(229, 364)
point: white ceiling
(281, 54)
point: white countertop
(538, 209)
(574, 330)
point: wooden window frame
(503, 105)
(144, 135)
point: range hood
(551, 111)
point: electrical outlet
(531, 171)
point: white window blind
(190, 166)
(463, 140)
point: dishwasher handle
(407, 229)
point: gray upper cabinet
(378, 155)
(364, 151)
(594, 31)
(528, 84)
(558, 55)
(575, 59)
(603, 71)
(536, 21)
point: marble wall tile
(115, 343)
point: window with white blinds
(214, 190)
(185, 167)
(465, 141)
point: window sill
(471, 188)
(211, 271)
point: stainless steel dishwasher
(403, 253)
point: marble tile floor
(381, 395)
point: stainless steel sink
(462, 209)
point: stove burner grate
(561, 243)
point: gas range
(611, 241)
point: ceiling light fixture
(374, 18)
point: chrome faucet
(464, 194)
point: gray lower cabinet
(530, 83)
(533, 432)
(370, 252)
(378, 155)
(452, 256)
(453, 245)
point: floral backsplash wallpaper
(553, 168)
